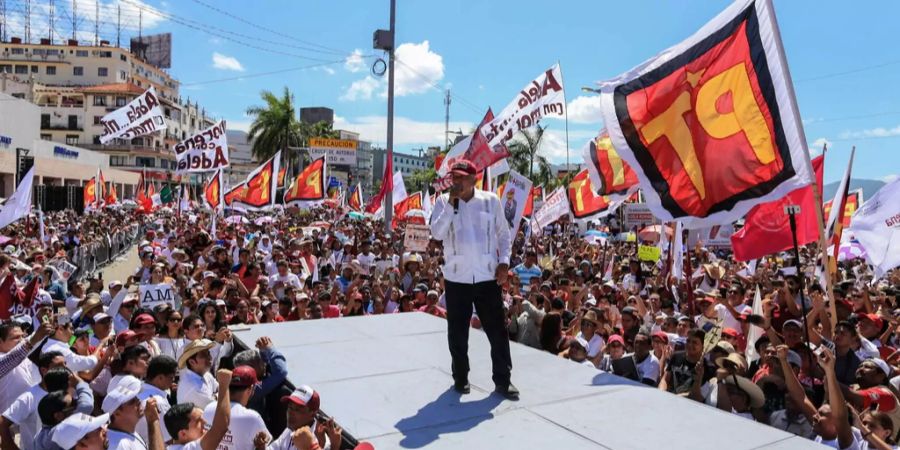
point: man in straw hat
(196, 385)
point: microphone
(455, 205)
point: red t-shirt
(333, 311)
(879, 395)
(438, 311)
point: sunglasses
(174, 319)
(587, 323)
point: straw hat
(757, 398)
(192, 349)
(735, 358)
(714, 270)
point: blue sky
(842, 57)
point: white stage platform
(386, 379)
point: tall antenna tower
(74, 20)
(97, 24)
(27, 21)
(447, 120)
(2, 20)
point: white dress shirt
(476, 237)
(74, 361)
(162, 404)
(193, 388)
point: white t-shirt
(366, 261)
(193, 445)
(288, 280)
(193, 388)
(19, 380)
(23, 412)
(162, 404)
(242, 430)
(648, 368)
(730, 321)
(858, 442)
(125, 441)
(285, 441)
(72, 304)
(595, 345)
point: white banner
(876, 226)
(416, 238)
(555, 206)
(715, 237)
(638, 215)
(155, 294)
(543, 96)
(204, 151)
(139, 117)
(515, 196)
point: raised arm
(222, 418)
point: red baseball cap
(303, 396)
(874, 318)
(125, 336)
(144, 319)
(661, 335)
(243, 376)
(731, 332)
(463, 167)
(615, 338)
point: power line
(464, 102)
(262, 74)
(849, 72)
(278, 33)
(205, 28)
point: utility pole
(51, 13)
(384, 40)
(27, 21)
(119, 26)
(2, 20)
(96, 24)
(74, 20)
(447, 120)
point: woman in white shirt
(171, 340)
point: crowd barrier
(91, 257)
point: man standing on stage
(477, 244)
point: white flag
(543, 96)
(755, 332)
(18, 205)
(399, 190)
(139, 117)
(555, 206)
(876, 226)
(678, 252)
(455, 152)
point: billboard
(155, 49)
(338, 151)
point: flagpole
(389, 192)
(791, 210)
(566, 112)
(817, 196)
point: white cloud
(890, 178)
(328, 70)
(406, 131)
(418, 69)
(872, 133)
(354, 63)
(215, 40)
(225, 62)
(585, 109)
(361, 89)
(816, 147)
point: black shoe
(509, 391)
(462, 388)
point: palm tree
(321, 129)
(524, 155)
(275, 126)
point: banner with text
(638, 215)
(555, 206)
(416, 238)
(140, 117)
(543, 96)
(339, 151)
(155, 294)
(203, 152)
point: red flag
(213, 191)
(15, 301)
(111, 196)
(479, 152)
(309, 186)
(90, 192)
(767, 228)
(355, 201)
(537, 192)
(388, 180)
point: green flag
(165, 195)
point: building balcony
(113, 147)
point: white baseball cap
(128, 388)
(75, 427)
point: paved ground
(123, 267)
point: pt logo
(705, 126)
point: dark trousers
(485, 296)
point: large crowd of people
(85, 364)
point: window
(106, 54)
(78, 71)
(46, 137)
(102, 71)
(122, 75)
(123, 58)
(19, 96)
(45, 121)
(71, 139)
(52, 52)
(97, 120)
(21, 69)
(18, 51)
(99, 100)
(73, 122)
(164, 163)
(51, 70)
(81, 53)
(7, 68)
(120, 100)
(35, 69)
(118, 160)
(141, 161)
